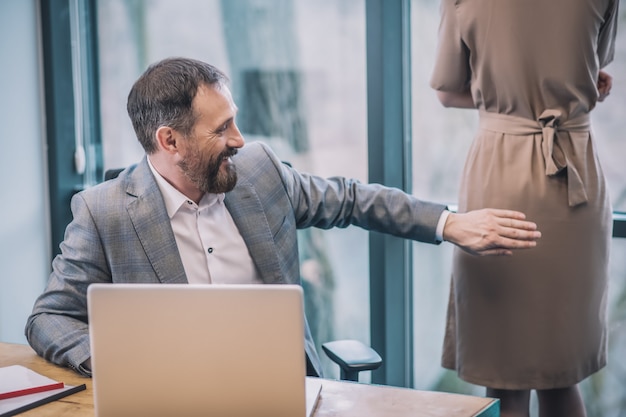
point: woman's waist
(550, 121)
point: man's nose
(236, 140)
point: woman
(537, 320)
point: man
(202, 208)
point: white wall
(24, 230)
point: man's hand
(490, 231)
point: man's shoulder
(124, 182)
(254, 150)
(256, 158)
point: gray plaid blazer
(121, 233)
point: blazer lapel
(152, 224)
(245, 207)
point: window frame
(63, 177)
(389, 141)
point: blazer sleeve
(58, 329)
(340, 202)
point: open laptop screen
(188, 350)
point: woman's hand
(605, 82)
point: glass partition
(297, 71)
(441, 138)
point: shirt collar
(174, 199)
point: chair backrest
(109, 174)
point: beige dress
(536, 320)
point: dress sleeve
(451, 72)
(606, 37)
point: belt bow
(555, 157)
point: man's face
(215, 138)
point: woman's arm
(461, 100)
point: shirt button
(189, 202)
(210, 250)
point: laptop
(199, 350)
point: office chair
(352, 356)
(109, 174)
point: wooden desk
(338, 398)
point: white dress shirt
(209, 243)
(440, 225)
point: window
(300, 86)
(441, 138)
(298, 71)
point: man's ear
(166, 139)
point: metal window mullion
(61, 107)
(389, 133)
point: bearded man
(202, 208)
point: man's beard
(208, 177)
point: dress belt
(556, 156)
